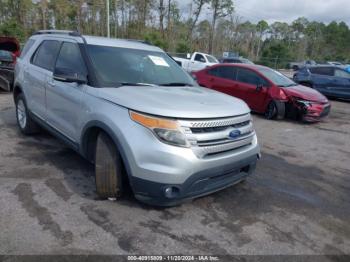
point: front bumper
(316, 112)
(152, 165)
(199, 184)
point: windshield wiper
(135, 84)
(287, 85)
(176, 84)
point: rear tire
(25, 123)
(108, 168)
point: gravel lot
(298, 202)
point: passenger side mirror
(259, 87)
(69, 76)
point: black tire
(295, 68)
(275, 110)
(108, 168)
(25, 123)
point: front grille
(211, 137)
(197, 130)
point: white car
(196, 62)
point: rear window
(45, 55)
(27, 47)
(5, 56)
(341, 73)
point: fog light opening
(171, 192)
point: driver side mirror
(69, 76)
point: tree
(199, 4)
(262, 27)
(220, 9)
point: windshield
(117, 66)
(212, 59)
(276, 77)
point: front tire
(25, 123)
(108, 168)
(275, 110)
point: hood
(177, 102)
(305, 93)
(9, 44)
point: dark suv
(332, 81)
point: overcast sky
(288, 10)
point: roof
(250, 66)
(96, 40)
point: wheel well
(89, 142)
(89, 146)
(16, 91)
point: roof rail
(139, 41)
(58, 32)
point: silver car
(127, 107)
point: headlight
(304, 102)
(166, 130)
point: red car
(9, 51)
(265, 91)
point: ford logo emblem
(234, 134)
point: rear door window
(227, 72)
(45, 55)
(27, 47)
(325, 71)
(249, 77)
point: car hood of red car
(305, 93)
(10, 44)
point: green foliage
(155, 39)
(182, 47)
(181, 32)
(12, 28)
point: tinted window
(341, 73)
(46, 54)
(5, 56)
(27, 46)
(70, 58)
(249, 77)
(327, 71)
(199, 58)
(227, 72)
(213, 71)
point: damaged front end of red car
(308, 111)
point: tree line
(210, 26)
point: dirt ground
(298, 201)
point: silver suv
(128, 107)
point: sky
(289, 10)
